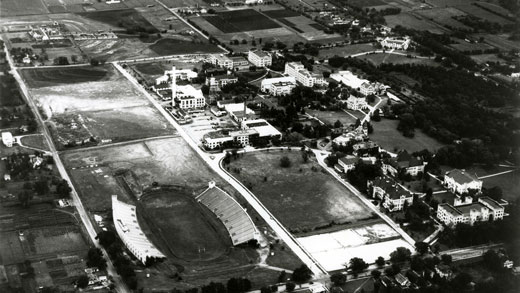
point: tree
(338, 279)
(82, 281)
(285, 162)
(401, 254)
(494, 192)
(94, 62)
(376, 116)
(302, 274)
(41, 187)
(290, 286)
(95, 259)
(421, 247)
(213, 288)
(282, 277)
(338, 124)
(357, 265)
(63, 189)
(238, 285)
(375, 274)
(446, 259)
(106, 238)
(305, 157)
(23, 198)
(380, 261)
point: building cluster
(260, 58)
(404, 163)
(278, 86)
(302, 75)
(182, 96)
(231, 63)
(364, 86)
(468, 207)
(393, 195)
(395, 43)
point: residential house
(356, 103)
(393, 196)
(460, 181)
(365, 148)
(260, 58)
(404, 162)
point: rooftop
(260, 53)
(391, 187)
(461, 176)
(491, 202)
(467, 208)
(450, 209)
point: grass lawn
(183, 226)
(344, 51)
(241, 21)
(283, 257)
(386, 135)
(35, 141)
(378, 59)
(302, 196)
(330, 117)
(509, 183)
(42, 77)
(166, 47)
(124, 19)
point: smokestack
(174, 85)
(245, 112)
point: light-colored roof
(269, 81)
(493, 204)
(348, 78)
(236, 220)
(450, 209)
(393, 189)
(260, 53)
(125, 217)
(189, 91)
(461, 176)
(349, 160)
(262, 127)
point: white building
(187, 97)
(221, 60)
(216, 82)
(484, 209)
(278, 86)
(260, 58)
(460, 181)
(346, 164)
(348, 78)
(302, 75)
(7, 139)
(128, 229)
(181, 74)
(392, 194)
(262, 127)
(355, 103)
(395, 43)
(367, 88)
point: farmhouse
(260, 58)
(346, 164)
(278, 86)
(128, 229)
(404, 162)
(395, 43)
(391, 193)
(236, 220)
(7, 139)
(187, 97)
(460, 181)
(484, 209)
(356, 103)
(302, 75)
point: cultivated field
(388, 137)
(241, 21)
(444, 16)
(22, 7)
(481, 13)
(413, 21)
(84, 102)
(330, 117)
(381, 58)
(302, 197)
(345, 51)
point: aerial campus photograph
(233, 146)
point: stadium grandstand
(128, 229)
(238, 223)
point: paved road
(214, 161)
(471, 251)
(320, 156)
(119, 284)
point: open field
(444, 16)
(345, 51)
(499, 41)
(107, 106)
(464, 46)
(124, 19)
(187, 230)
(334, 250)
(35, 141)
(299, 203)
(364, 3)
(481, 13)
(241, 21)
(413, 21)
(22, 7)
(166, 47)
(330, 117)
(509, 183)
(378, 59)
(388, 137)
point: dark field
(188, 230)
(167, 47)
(126, 19)
(364, 3)
(241, 21)
(42, 77)
(282, 13)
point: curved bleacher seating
(238, 223)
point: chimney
(174, 85)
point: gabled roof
(393, 189)
(491, 203)
(349, 160)
(461, 176)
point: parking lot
(206, 122)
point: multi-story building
(302, 75)
(216, 82)
(187, 97)
(393, 196)
(405, 162)
(395, 43)
(260, 58)
(180, 74)
(485, 209)
(356, 103)
(346, 164)
(221, 60)
(460, 181)
(278, 86)
(7, 139)
(239, 62)
(367, 88)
